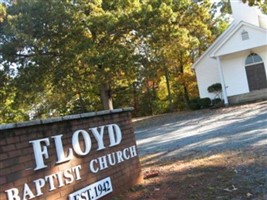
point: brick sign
(79, 157)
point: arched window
(255, 71)
(253, 58)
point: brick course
(17, 159)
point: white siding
(233, 67)
(207, 74)
(262, 52)
(257, 38)
(235, 73)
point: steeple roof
(243, 12)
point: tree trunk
(149, 103)
(168, 89)
(135, 99)
(185, 91)
(186, 95)
(105, 93)
(82, 105)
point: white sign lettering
(93, 191)
(63, 178)
(39, 152)
(112, 159)
(40, 146)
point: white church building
(237, 59)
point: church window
(253, 58)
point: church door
(256, 74)
(256, 77)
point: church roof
(225, 37)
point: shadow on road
(207, 132)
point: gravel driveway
(204, 131)
(218, 154)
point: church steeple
(244, 12)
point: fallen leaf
(151, 174)
(234, 188)
(249, 194)
(230, 189)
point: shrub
(215, 88)
(204, 102)
(197, 103)
(194, 104)
(216, 101)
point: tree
(110, 25)
(174, 33)
(40, 38)
(2, 12)
(63, 57)
(67, 52)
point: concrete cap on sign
(63, 118)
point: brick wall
(18, 163)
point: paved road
(205, 131)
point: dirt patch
(233, 175)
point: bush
(216, 87)
(216, 101)
(204, 102)
(197, 103)
(194, 104)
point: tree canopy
(64, 57)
